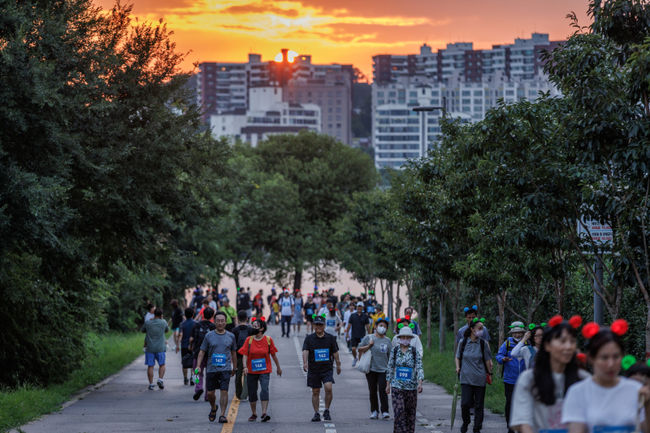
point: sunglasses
(401, 325)
(474, 308)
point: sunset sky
(349, 31)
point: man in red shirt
(258, 351)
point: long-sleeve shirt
(404, 371)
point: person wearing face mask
(332, 320)
(415, 341)
(257, 352)
(512, 367)
(540, 390)
(473, 366)
(380, 347)
(404, 378)
(528, 346)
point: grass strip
(439, 368)
(107, 354)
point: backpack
(241, 334)
(200, 331)
(462, 352)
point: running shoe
(151, 386)
(265, 417)
(186, 381)
(385, 415)
(354, 362)
(161, 385)
(374, 414)
(316, 417)
(197, 394)
(326, 415)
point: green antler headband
(401, 325)
(482, 320)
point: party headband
(401, 325)
(474, 307)
(476, 319)
(533, 326)
(313, 316)
(629, 360)
(261, 319)
(618, 327)
(575, 322)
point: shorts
(217, 380)
(315, 379)
(176, 330)
(354, 341)
(151, 358)
(309, 318)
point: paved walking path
(125, 404)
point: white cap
(406, 332)
(360, 304)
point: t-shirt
(358, 324)
(218, 348)
(380, 352)
(241, 333)
(186, 329)
(310, 308)
(588, 403)
(243, 301)
(259, 354)
(230, 313)
(331, 323)
(472, 369)
(285, 306)
(177, 318)
(148, 317)
(155, 338)
(526, 409)
(321, 352)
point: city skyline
(337, 31)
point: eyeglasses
(401, 325)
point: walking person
(470, 314)
(529, 345)
(257, 352)
(512, 367)
(155, 347)
(241, 332)
(297, 318)
(286, 312)
(319, 350)
(231, 314)
(474, 367)
(310, 310)
(380, 347)
(177, 319)
(185, 333)
(415, 341)
(404, 380)
(540, 390)
(199, 332)
(332, 320)
(359, 326)
(605, 402)
(220, 348)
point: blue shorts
(151, 358)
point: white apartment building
(400, 134)
(268, 115)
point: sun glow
(291, 56)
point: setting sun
(291, 55)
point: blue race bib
(404, 373)
(321, 355)
(258, 365)
(370, 309)
(310, 311)
(330, 323)
(219, 359)
(613, 429)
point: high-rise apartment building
(460, 61)
(225, 88)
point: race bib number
(321, 355)
(310, 311)
(370, 309)
(613, 429)
(330, 323)
(219, 360)
(258, 364)
(404, 373)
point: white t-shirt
(526, 409)
(148, 317)
(331, 323)
(589, 403)
(285, 305)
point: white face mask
(479, 333)
(405, 341)
(381, 330)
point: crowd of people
(549, 385)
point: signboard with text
(601, 234)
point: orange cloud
(344, 31)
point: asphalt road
(124, 404)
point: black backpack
(241, 334)
(200, 330)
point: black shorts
(185, 351)
(354, 342)
(316, 379)
(218, 380)
(309, 318)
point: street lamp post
(423, 110)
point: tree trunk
(454, 297)
(390, 301)
(297, 279)
(442, 323)
(398, 302)
(501, 303)
(429, 328)
(235, 275)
